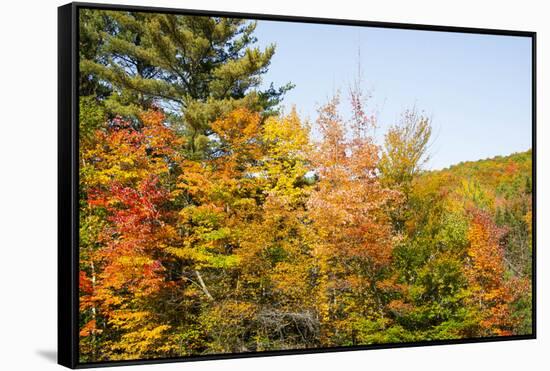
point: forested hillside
(211, 222)
(470, 226)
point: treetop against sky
(476, 88)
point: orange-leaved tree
(490, 292)
(128, 176)
(350, 212)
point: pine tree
(195, 68)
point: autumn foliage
(233, 228)
(272, 242)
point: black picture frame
(68, 182)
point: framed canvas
(239, 185)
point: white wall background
(28, 152)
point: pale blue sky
(476, 88)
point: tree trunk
(203, 286)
